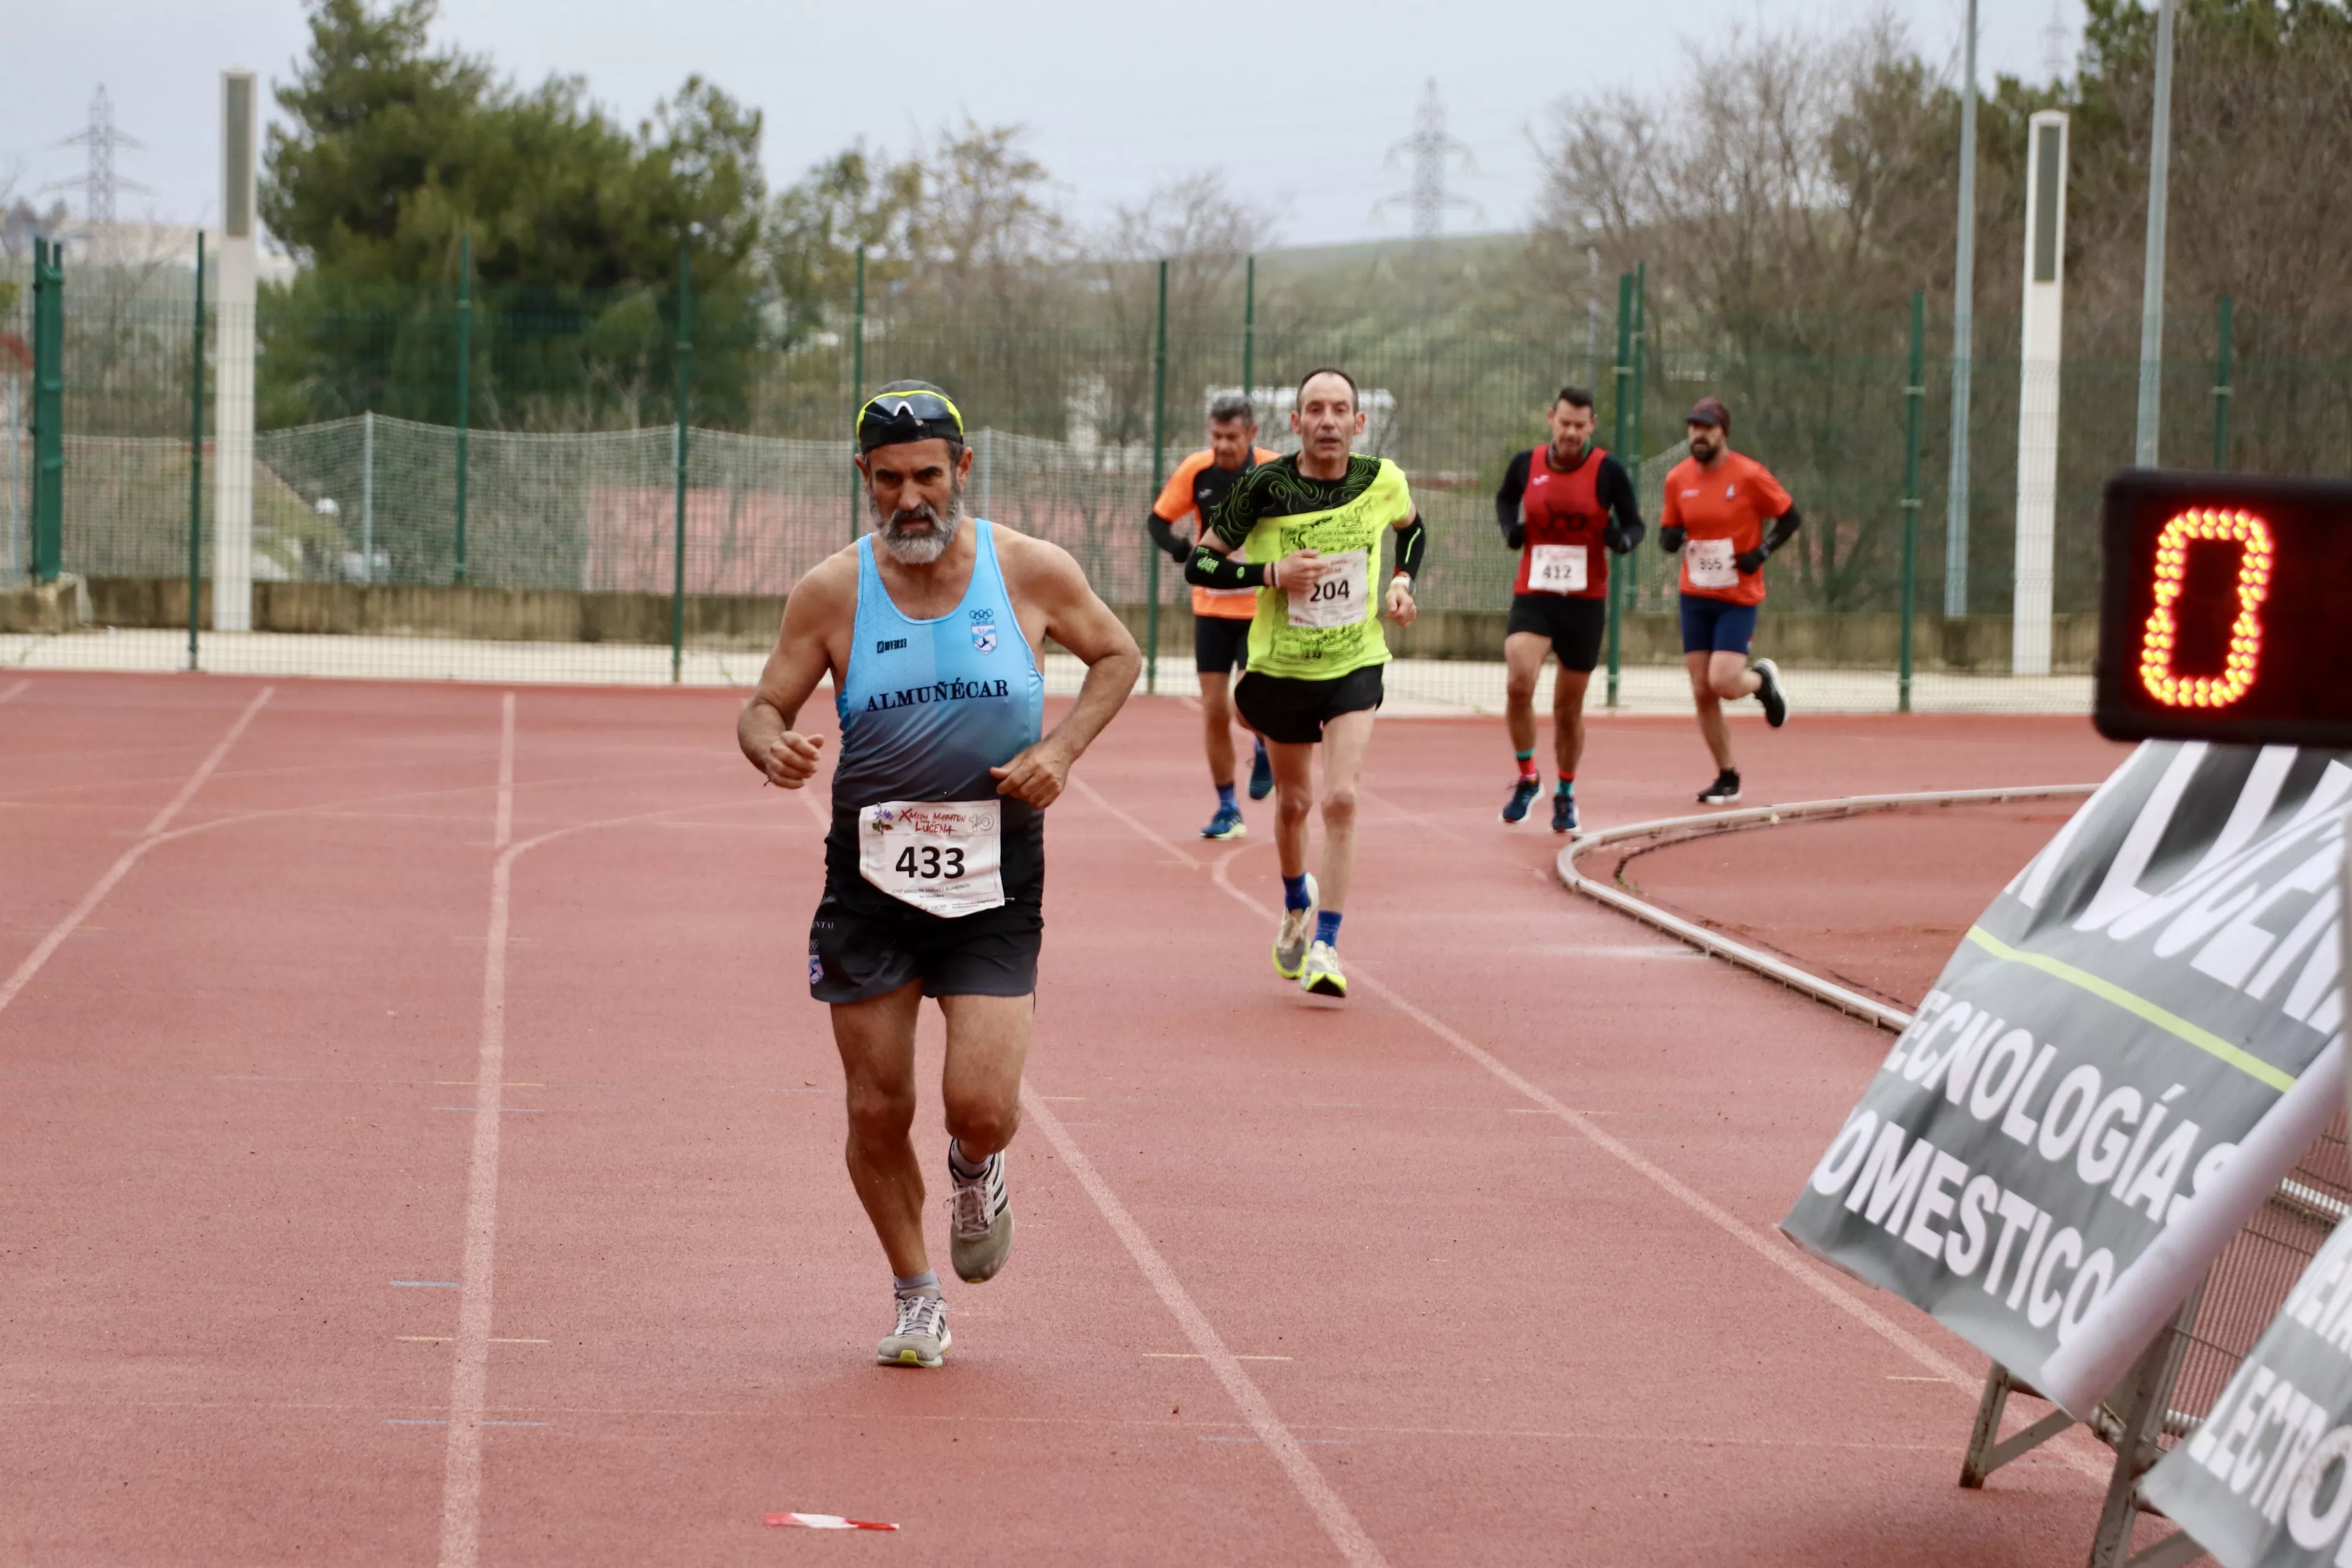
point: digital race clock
(2226, 610)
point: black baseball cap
(1709, 411)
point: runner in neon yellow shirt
(1305, 530)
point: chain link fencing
(394, 546)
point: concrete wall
(1800, 640)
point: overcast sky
(1299, 106)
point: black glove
(1670, 538)
(1621, 537)
(1751, 562)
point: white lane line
(1103, 800)
(1768, 1247)
(15, 691)
(1338, 1520)
(148, 838)
(461, 1465)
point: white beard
(919, 548)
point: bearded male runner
(1221, 616)
(1565, 507)
(1309, 527)
(1718, 501)
(931, 627)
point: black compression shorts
(1220, 644)
(864, 943)
(1574, 626)
(1293, 711)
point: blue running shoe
(1226, 825)
(1261, 774)
(1563, 813)
(1523, 795)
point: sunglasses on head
(892, 409)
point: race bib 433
(943, 857)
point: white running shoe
(1290, 938)
(921, 1338)
(980, 1219)
(1321, 976)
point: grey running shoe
(921, 1338)
(1321, 976)
(1297, 927)
(1775, 700)
(980, 1220)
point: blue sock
(1326, 926)
(1225, 801)
(1294, 892)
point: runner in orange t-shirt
(1717, 502)
(1221, 616)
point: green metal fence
(624, 486)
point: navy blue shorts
(1717, 626)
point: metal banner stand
(2130, 1420)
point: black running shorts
(1293, 711)
(1220, 644)
(1574, 626)
(864, 943)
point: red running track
(1477, 1266)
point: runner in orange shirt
(1221, 616)
(1717, 502)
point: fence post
(196, 455)
(465, 381)
(367, 497)
(1620, 387)
(2221, 386)
(684, 397)
(1249, 330)
(1640, 342)
(48, 408)
(1915, 392)
(1159, 463)
(857, 384)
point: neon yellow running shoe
(1297, 927)
(1321, 976)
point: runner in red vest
(1717, 502)
(1565, 507)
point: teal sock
(1568, 788)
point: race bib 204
(1556, 569)
(1340, 597)
(943, 857)
(1711, 563)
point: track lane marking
(461, 1463)
(1765, 1246)
(151, 835)
(1338, 1521)
(15, 691)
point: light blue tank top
(927, 707)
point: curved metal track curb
(1674, 829)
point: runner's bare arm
(1045, 576)
(820, 603)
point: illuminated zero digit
(2253, 537)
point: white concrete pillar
(2039, 356)
(232, 519)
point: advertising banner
(2267, 1478)
(2129, 1050)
